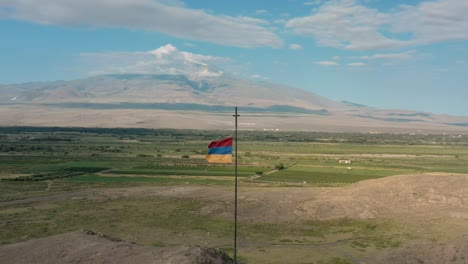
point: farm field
(154, 187)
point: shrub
(280, 166)
(145, 156)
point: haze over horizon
(399, 55)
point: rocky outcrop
(95, 248)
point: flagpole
(235, 189)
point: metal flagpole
(235, 190)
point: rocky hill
(90, 247)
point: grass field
(161, 180)
(328, 175)
(161, 155)
(323, 172)
(191, 170)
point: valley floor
(350, 122)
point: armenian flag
(220, 151)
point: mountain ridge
(167, 88)
(103, 97)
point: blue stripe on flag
(220, 150)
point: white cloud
(434, 21)
(295, 47)
(280, 21)
(345, 24)
(315, 2)
(327, 63)
(388, 56)
(349, 24)
(357, 64)
(164, 51)
(261, 12)
(164, 60)
(336, 57)
(165, 16)
(258, 77)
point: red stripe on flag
(227, 142)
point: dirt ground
(425, 195)
(89, 247)
(419, 196)
(453, 252)
(37, 115)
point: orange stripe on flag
(214, 158)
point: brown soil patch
(418, 195)
(89, 247)
(454, 252)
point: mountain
(195, 95)
(164, 88)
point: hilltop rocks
(90, 247)
(454, 252)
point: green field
(161, 180)
(329, 175)
(308, 158)
(191, 170)
(163, 156)
(323, 172)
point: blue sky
(408, 54)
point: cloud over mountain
(163, 60)
(165, 16)
(343, 24)
(348, 24)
